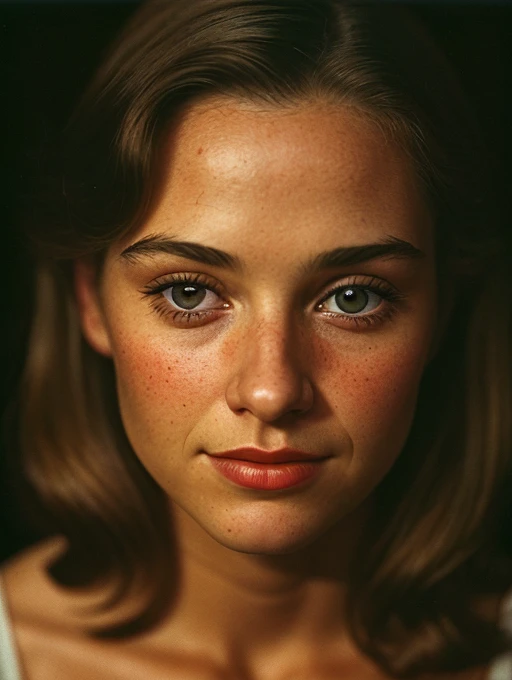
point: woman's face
(282, 294)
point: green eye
(351, 300)
(186, 296)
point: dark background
(48, 53)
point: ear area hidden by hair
(90, 307)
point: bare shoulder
(28, 588)
(38, 609)
(50, 626)
(48, 622)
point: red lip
(254, 455)
(267, 470)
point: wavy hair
(437, 543)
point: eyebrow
(156, 244)
(390, 247)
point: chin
(267, 538)
(254, 547)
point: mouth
(267, 470)
(255, 455)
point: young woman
(266, 408)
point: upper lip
(254, 455)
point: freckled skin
(274, 187)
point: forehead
(229, 164)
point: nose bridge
(270, 378)
(272, 341)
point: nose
(269, 378)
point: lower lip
(265, 476)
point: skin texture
(274, 188)
(262, 573)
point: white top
(501, 669)
(9, 666)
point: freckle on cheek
(371, 382)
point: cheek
(374, 393)
(162, 389)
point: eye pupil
(352, 300)
(187, 296)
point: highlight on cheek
(192, 299)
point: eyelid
(370, 294)
(392, 301)
(380, 286)
(154, 291)
(165, 282)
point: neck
(245, 602)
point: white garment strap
(501, 669)
(9, 665)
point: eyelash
(155, 291)
(392, 297)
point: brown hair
(436, 543)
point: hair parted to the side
(436, 542)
